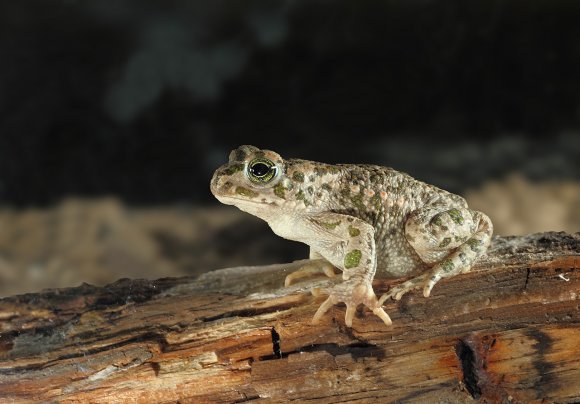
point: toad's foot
(398, 291)
(313, 267)
(352, 292)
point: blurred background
(114, 114)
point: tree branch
(506, 331)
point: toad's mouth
(232, 200)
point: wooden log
(507, 332)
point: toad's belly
(396, 257)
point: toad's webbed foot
(352, 292)
(398, 291)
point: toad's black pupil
(259, 169)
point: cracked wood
(507, 331)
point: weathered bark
(509, 331)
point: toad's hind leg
(461, 259)
(450, 240)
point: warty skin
(364, 220)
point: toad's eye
(261, 170)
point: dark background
(114, 115)
(143, 99)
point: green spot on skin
(301, 197)
(437, 220)
(329, 226)
(298, 176)
(447, 265)
(446, 241)
(357, 201)
(352, 259)
(376, 201)
(353, 231)
(326, 187)
(474, 244)
(238, 155)
(279, 191)
(246, 192)
(234, 168)
(456, 216)
(310, 190)
(320, 171)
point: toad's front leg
(348, 244)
